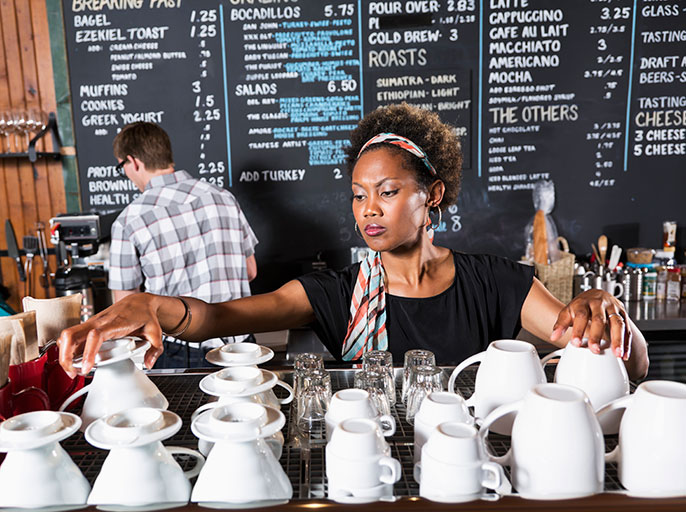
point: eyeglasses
(120, 166)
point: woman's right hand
(135, 315)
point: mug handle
(200, 460)
(553, 355)
(203, 408)
(31, 392)
(621, 289)
(492, 475)
(394, 467)
(73, 397)
(476, 358)
(417, 472)
(489, 420)
(387, 419)
(620, 403)
(288, 388)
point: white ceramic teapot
(117, 384)
(37, 472)
(139, 470)
(238, 431)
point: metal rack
(303, 456)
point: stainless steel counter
(303, 457)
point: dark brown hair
(425, 129)
(145, 141)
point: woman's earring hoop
(440, 219)
(357, 231)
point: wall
(26, 81)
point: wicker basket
(558, 277)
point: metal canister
(633, 283)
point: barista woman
(408, 293)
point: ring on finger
(615, 314)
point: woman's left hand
(589, 315)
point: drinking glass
(381, 361)
(5, 117)
(20, 127)
(424, 379)
(416, 357)
(375, 382)
(303, 363)
(312, 402)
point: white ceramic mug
(454, 467)
(601, 376)
(509, 368)
(614, 288)
(438, 407)
(651, 453)
(355, 403)
(116, 387)
(144, 475)
(241, 467)
(38, 472)
(358, 458)
(557, 444)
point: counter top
(662, 315)
(303, 459)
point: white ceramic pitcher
(601, 376)
(509, 368)
(651, 453)
(117, 384)
(557, 444)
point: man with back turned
(181, 236)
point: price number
(339, 10)
(208, 114)
(207, 102)
(203, 31)
(204, 16)
(461, 5)
(215, 180)
(211, 167)
(344, 86)
(615, 13)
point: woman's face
(389, 206)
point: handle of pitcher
(619, 403)
(200, 460)
(476, 358)
(553, 355)
(497, 413)
(73, 397)
(291, 393)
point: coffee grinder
(82, 242)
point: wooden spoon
(602, 248)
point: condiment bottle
(649, 282)
(674, 284)
(661, 290)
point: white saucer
(53, 508)
(225, 358)
(202, 430)
(70, 424)
(208, 385)
(96, 433)
(101, 359)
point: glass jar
(661, 290)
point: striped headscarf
(403, 143)
(367, 323)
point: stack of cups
(382, 362)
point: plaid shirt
(182, 236)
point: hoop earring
(357, 231)
(440, 218)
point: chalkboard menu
(259, 97)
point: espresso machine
(82, 241)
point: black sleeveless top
(483, 304)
